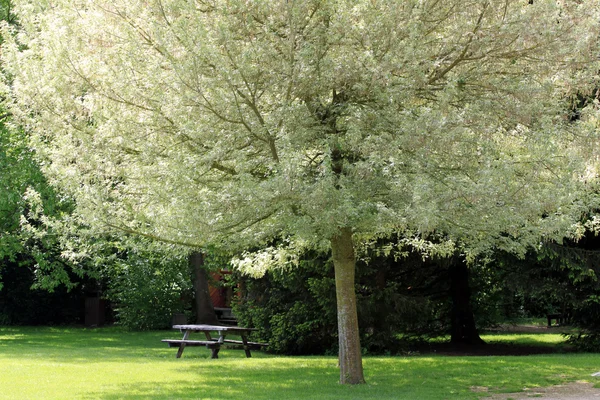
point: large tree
(323, 123)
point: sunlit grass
(528, 339)
(59, 363)
(532, 339)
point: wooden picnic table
(213, 343)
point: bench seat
(211, 343)
(252, 344)
(178, 342)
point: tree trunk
(350, 357)
(205, 312)
(463, 330)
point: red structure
(220, 295)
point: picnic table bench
(560, 319)
(213, 343)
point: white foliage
(256, 264)
(202, 122)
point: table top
(214, 328)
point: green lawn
(529, 339)
(60, 363)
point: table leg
(182, 345)
(215, 350)
(246, 346)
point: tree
(13, 183)
(205, 312)
(25, 195)
(323, 123)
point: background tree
(323, 123)
(49, 261)
(36, 284)
(26, 263)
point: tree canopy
(324, 123)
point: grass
(525, 339)
(59, 363)
(529, 321)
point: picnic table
(213, 343)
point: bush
(295, 309)
(147, 288)
(586, 316)
(22, 305)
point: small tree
(325, 123)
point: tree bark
(205, 312)
(350, 357)
(463, 329)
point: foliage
(26, 204)
(26, 197)
(399, 300)
(22, 305)
(402, 293)
(583, 299)
(45, 252)
(148, 281)
(585, 317)
(6, 11)
(259, 139)
(17, 171)
(147, 288)
(558, 279)
(293, 309)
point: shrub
(22, 305)
(295, 309)
(147, 288)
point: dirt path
(571, 391)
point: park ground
(109, 363)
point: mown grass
(525, 339)
(59, 363)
